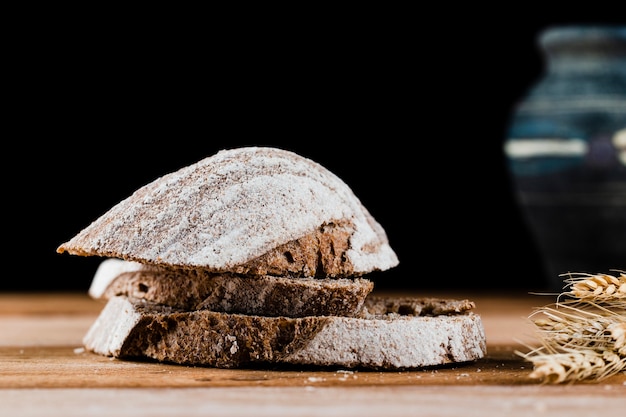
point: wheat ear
(583, 337)
(599, 288)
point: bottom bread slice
(134, 329)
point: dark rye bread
(132, 329)
(321, 253)
(253, 211)
(225, 292)
(411, 306)
(271, 234)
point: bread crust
(130, 329)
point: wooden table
(45, 371)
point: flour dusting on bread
(231, 208)
(259, 257)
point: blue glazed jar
(566, 151)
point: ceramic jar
(566, 151)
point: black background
(409, 109)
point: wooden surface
(45, 371)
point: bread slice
(252, 210)
(131, 329)
(412, 306)
(225, 292)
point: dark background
(410, 111)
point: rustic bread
(424, 306)
(132, 329)
(252, 210)
(256, 295)
(254, 257)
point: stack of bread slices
(258, 256)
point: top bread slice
(253, 211)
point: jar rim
(582, 35)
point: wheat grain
(618, 332)
(584, 336)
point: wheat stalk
(584, 336)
